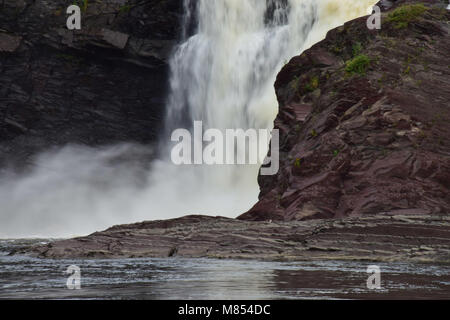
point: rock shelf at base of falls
(386, 237)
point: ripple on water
(177, 278)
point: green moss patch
(358, 65)
(312, 85)
(404, 15)
(83, 4)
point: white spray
(223, 75)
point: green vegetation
(83, 4)
(356, 48)
(358, 65)
(125, 8)
(382, 79)
(314, 133)
(298, 163)
(312, 85)
(68, 58)
(404, 15)
(407, 70)
(295, 83)
(337, 49)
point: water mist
(223, 75)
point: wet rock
(103, 84)
(396, 236)
(116, 39)
(9, 43)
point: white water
(223, 75)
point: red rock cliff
(364, 120)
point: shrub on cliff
(402, 16)
(358, 65)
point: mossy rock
(404, 15)
(358, 65)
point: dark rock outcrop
(376, 137)
(374, 238)
(102, 84)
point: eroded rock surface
(376, 139)
(414, 238)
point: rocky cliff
(103, 84)
(364, 121)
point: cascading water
(222, 75)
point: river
(23, 277)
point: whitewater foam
(222, 75)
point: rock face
(102, 84)
(410, 238)
(364, 121)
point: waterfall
(221, 74)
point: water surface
(176, 278)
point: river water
(22, 277)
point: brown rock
(377, 141)
(396, 236)
(9, 43)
